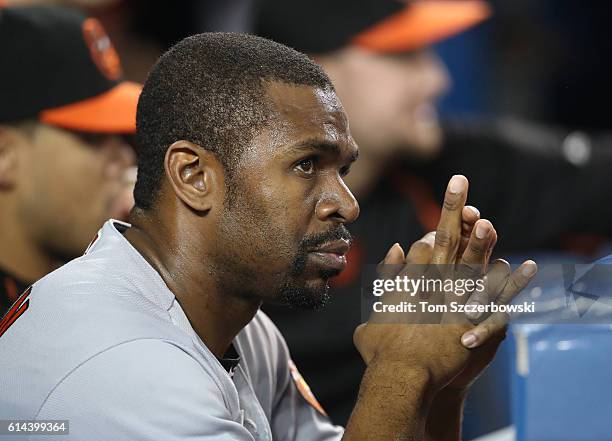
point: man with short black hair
(156, 332)
(64, 164)
(222, 105)
(535, 183)
(223, 115)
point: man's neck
(217, 317)
(20, 255)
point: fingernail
(391, 249)
(529, 269)
(457, 184)
(468, 340)
(474, 209)
(473, 315)
(482, 230)
(430, 238)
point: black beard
(299, 296)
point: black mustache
(315, 240)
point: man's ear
(195, 174)
(8, 158)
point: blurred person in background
(65, 164)
(534, 182)
(143, 29)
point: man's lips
(332, 254)
(340, 246)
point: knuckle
(452, 203)
(471, 269)
(446, 239)
(503, 267)
(358, 334)
(420, 247)
(480, 297)
(515, 284)
(484, 332)
(477, 249)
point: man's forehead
(310, 110)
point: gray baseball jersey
(102, 342)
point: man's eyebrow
(322, 146)
(316, 144)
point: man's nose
(438, 80)
(338, 205)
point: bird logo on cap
(102, 50)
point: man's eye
(306, 166)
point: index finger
(448, 233)
(497, 322)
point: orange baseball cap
(422, 23)
(322, 26)
(61, 67)
(113, 111)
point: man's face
(283, 226)
(390, 98)
(69, 184)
